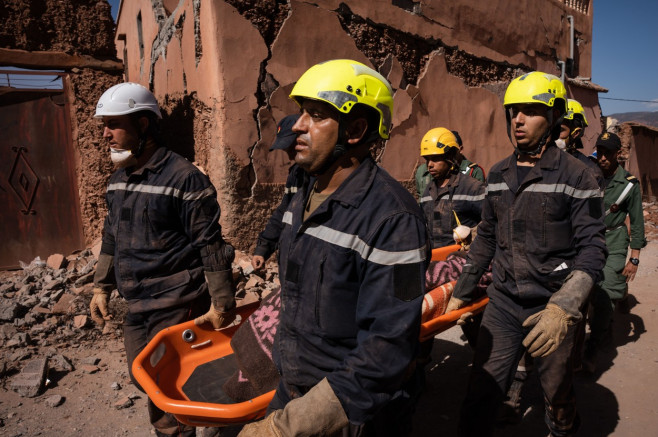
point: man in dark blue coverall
(162, 244)
(543, 232)
(268, 239)
(353, 254)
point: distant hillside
(648, 118)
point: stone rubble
(44, 311)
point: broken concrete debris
(44, 310)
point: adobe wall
(641, 143)
(73, 27)
(235, 62)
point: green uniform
(613, 286)
(472, 169)
(423, 178)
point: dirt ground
(621, 399)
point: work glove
(456, 303)
(317, 413)
(222, 297)
(563, 310)
(98, 306)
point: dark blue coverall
(352, 277)
(536, 231)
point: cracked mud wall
(73, 27)
(230, 65)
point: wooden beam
(55, 60)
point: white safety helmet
(126, 98)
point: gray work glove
(222, 297)
(563, 310)
(317, 413)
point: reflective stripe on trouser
(496, 357)
(138, 330)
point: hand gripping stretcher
(183, 367)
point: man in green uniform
(467, 167)
(622, 198)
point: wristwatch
(634, 261)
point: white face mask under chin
(122, 158)
(561, 144)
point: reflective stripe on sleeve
(353, 242)
(549, 188)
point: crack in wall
(167, 27)
(268, 18)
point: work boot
(509, 412)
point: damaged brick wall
(236, 61)
(73, 27)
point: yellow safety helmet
(438, 141)
(344, 83)
(575, 109)
(537, 87)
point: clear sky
(624, 53)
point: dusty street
(97, 398)
(620, 400)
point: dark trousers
(497, 354)
(138, 330)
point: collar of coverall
(155, 162)
(550, 158)
(353, 189)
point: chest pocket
(502, 213)
(336, 294)
(555, 232)
(157, 222)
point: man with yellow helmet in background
(542, 231)
(472, 169)
(352, 258)
(451, 198)
(571, 134)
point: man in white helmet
(352, 258)
(162, 244)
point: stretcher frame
(170, 358)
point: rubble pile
(650, 219)
(44, 311)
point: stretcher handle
(439, 324)
(441, 253)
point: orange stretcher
(185, 362)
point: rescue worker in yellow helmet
(472, 169)
(450, 195)
(542, 230)
(352, 258)
(571, 134)
(450, 199)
